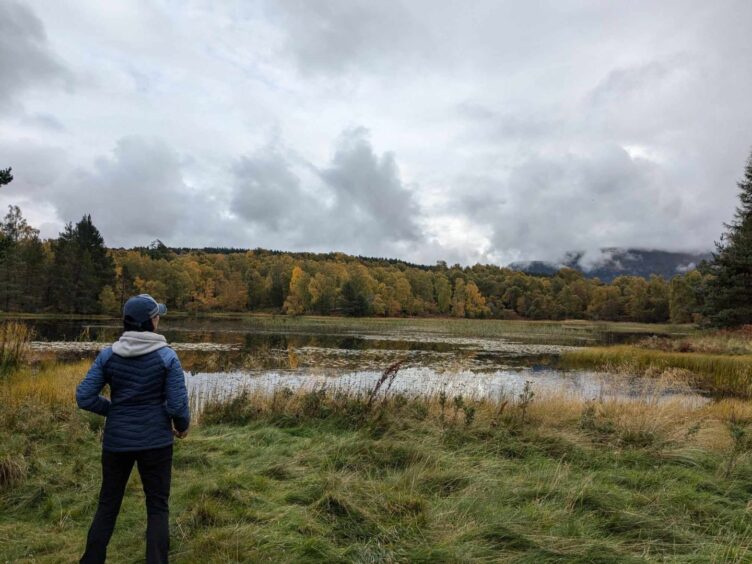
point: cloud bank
(492, 132)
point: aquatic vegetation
(726, 341)
(716, 373)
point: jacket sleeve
(88, 391)
(176, 401)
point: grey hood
(137, 343)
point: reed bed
(726, 341)
(15, 339)
(715, 373)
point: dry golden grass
(14, 345)
(50, 385)
(647, 416)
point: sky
(488, 131)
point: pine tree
(5, 176)
(82, 268)
(729, 297)
(22, 263)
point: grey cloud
(522, 130)
(625, 81)
(551, 205)
(343, 35)
(509, 124)
(36, 166)
(358, 202)
(137, 192)
(25, 58)
(369, 189)
(44, 121)
(267, 191)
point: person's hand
(180, 434)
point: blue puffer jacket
(147, 390)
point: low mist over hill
(613, 262)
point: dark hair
(130, 324)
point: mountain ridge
(615, 261)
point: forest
(77, 273)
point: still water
(224, 355)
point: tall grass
(716, 373)
(51, 385)
(15, 338)
(726, 341)
(311, 475)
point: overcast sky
(488, 131)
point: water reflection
(421, 381)
(482, 359)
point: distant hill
(615, 262)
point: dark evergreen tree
(5, 176)
(81, 268)
(158, 250)
(729, 298)
(22, 266)
(353, 300)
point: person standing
(148, 406)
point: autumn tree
(443, 290)
(322, 289)
(459, 298)
(475, 303)
(606, 304)
(108, 302)
(686, 297)
(298, 297)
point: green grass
(442, 325)
(301, 478)
(454, 326)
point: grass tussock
(12, 470)
(15, 338)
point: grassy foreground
(312, 477)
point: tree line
(76, 273)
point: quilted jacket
(148, 396)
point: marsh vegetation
(386, 470)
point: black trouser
(155, 468)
